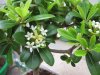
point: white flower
(97, 32)
(29, 35)
(27, 25)
(43, 32)
(90, 30)
(75, 27)
(64, 28)
(58, 35)
(93, 23)
(30, 46)
(96, 24)
(33, 28)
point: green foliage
(80, 52)
(83, 42)
(25, 55)
(33, 61)
(68, 34)
(6, 24)
(9, 56)
(97, 47)
(52, 30)
(92, 64)
(18, 16)
(92, 41)
(47, 56)
(40, 17)
(19, 37)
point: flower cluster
(96, 27)
(36, 37)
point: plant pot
(41, 71)
(4, 68)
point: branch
(69, 51)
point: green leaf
(85, 4)
(73, 32)
(80, 52)
(93, 66)
(83, 42)
(27, 4)
(64, 57)
(83, 27)
(42, 10)
(6, 24)
(25, 10)
(79, 35)
(40, 17)
(69, 17)
(15, 46)
(92, 12)
(25, 54)
(9, 56)
(81, 11)
(3, 38)
(68, 60)
(96, 56)
(66, 34)
(19, 37)
(51, 5)
(52, 30)
(34, 61)
(97, 48)
(3, 47)
(73, 64)
(75, 59)
(19, 11)
(38, 1)
(92, 41)
(47, 56)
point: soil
(42, 72)
(2, 62)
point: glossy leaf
(92, 41)
(46, 56)
(40, 17)
(19, 37)
(6, 24)
(66, 34)
(52, 30)
(69, 17)
(10, 57)
(83, 42)
(80, 52)
(97, 48)
(92, 12)
(93, 66)
(75, 59)
(34, 61)
(81, 11)
(25, 54)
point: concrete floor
(61, 67)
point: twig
(69, 51)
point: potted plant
(25, 33)
(30, 26)
(85, 34)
